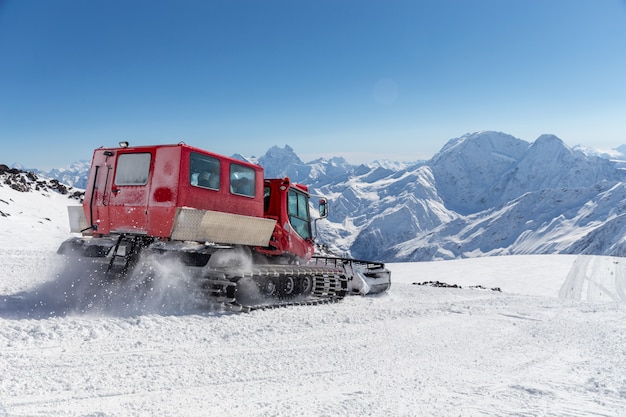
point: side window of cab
(133, 169)
(204, 171)
(242, 180)
(298, 211)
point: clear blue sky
(354, 78)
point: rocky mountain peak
(29, 181)
(279, 156)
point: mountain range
(484, 193)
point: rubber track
(329, 284)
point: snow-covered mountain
(484, 193)
(504, 195)
(74, 175)
(33, 209)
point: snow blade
(364, 277)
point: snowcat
(247, 241)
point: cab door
(129, 190)
(301, 242)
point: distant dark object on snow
(444, 285)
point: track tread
(329, 285)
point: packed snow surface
(551, 342)
(417, 350)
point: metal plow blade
(364, 277)
(370, 281)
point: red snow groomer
(246, 241)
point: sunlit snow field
(552, 342)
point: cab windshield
(298, 211)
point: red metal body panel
(285, 239)
(117, 199)
(223, 199)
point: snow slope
(415, 351)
